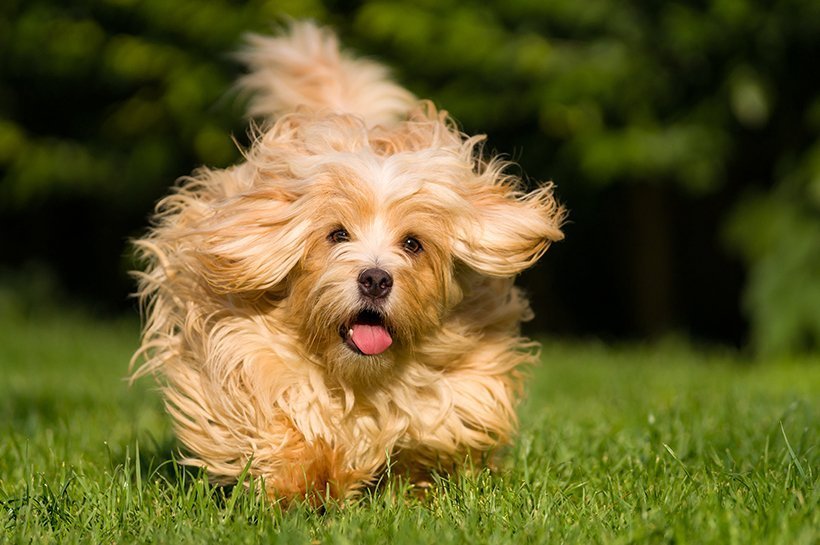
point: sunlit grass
(662, 444)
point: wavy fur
(244, 294)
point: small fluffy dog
(343, 299)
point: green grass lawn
(662, 444)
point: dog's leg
(316, 472)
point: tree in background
(679, 133)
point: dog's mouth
(367, 333)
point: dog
(342, 300)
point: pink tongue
(371, 339)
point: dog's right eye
(338, 235)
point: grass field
(662, 444)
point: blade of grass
(793, 456)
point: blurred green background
(684, 137)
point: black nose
(375, 283)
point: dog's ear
(508, 230)
(250, 243)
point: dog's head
(362, 236)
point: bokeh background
(683, 136)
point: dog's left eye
(339, 235)
(412, 245)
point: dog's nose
(375, 283)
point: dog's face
(360, 235)
(377, 271)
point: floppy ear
(508, 230)
(249, 243)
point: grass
(660, 444)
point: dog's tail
(304, 67)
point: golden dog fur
(252, 286)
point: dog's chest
(372, 429)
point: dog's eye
(338, 235)
(412, 245)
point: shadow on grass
(161, 464)
(152, 459)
